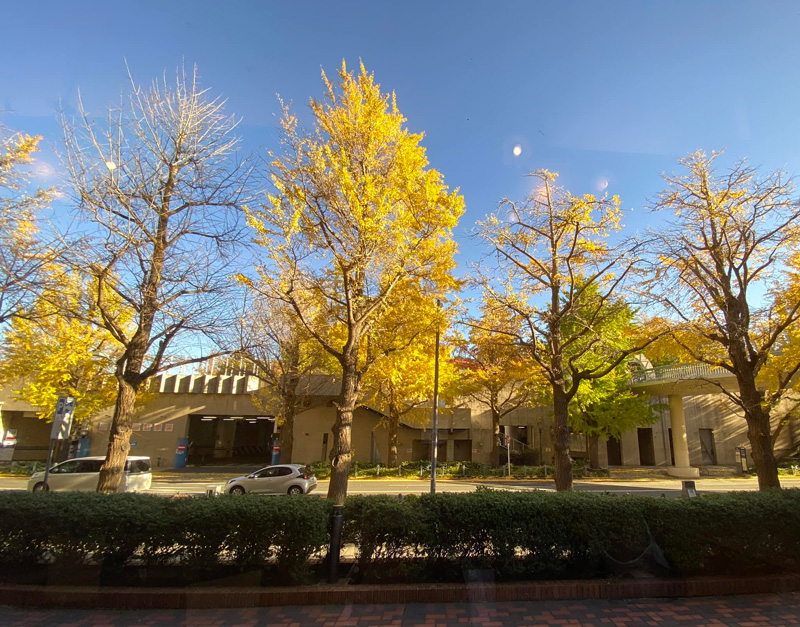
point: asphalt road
(669, 488)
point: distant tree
(550, 249)
(606, 408)
(719, 267)
(401, 380)
(286, 358)
(44, 356)
(24, 255)
(158, 188)
(495, 372)
(355, 215)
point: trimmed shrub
(443, 537)
(135, 529)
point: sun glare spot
(517, 150)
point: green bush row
(444, 537)
(453, 470)
(129, 529)
(545, 535)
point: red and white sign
(181, 449)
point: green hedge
(515, 535)
(534, 535)
(453, 470)
(134, 529)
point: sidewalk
(743, 611)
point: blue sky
(602, 92)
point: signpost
(508, 448)
(62, 423)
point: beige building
(206, 419)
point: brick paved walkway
(742, 611)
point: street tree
(24, 253)
(549, 250)
(496, 374)
(720, 268)
(606, 408)
(355, 214)
(157, 186)
(44, 356)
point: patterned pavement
(742, 611)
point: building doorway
(708, 449)
(614, 450)
(647, 452)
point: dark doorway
(647, 452)
(462, 450)
(218, 439)
(614, 450)
(708, 449)
(324, 457)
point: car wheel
(39, 487)
(295, 490)
(237, 490)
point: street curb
(207, 597)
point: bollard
(378, 470)
(335, 550)
(463, 470)
(484, 471)
(400, 470)
(355, 470)
(525, 472)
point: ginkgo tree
(549, 250)
(495, 373)
(24, 254)
(606, 407)
(722, 266)
(354, 215)
(157, 186)
(44, 356)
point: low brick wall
(211, 597)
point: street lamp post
(435, 434)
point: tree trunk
(286, 434)
(563, 461)
(394, 426)
(341, 456)
(113, 467)
(758, 432)
(495, 438)
(594, 451)
(758, 426)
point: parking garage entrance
(231, 439)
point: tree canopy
(355, 217)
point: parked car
(81, 473)
(281, 479)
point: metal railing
(677, 372)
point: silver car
(281, 479)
